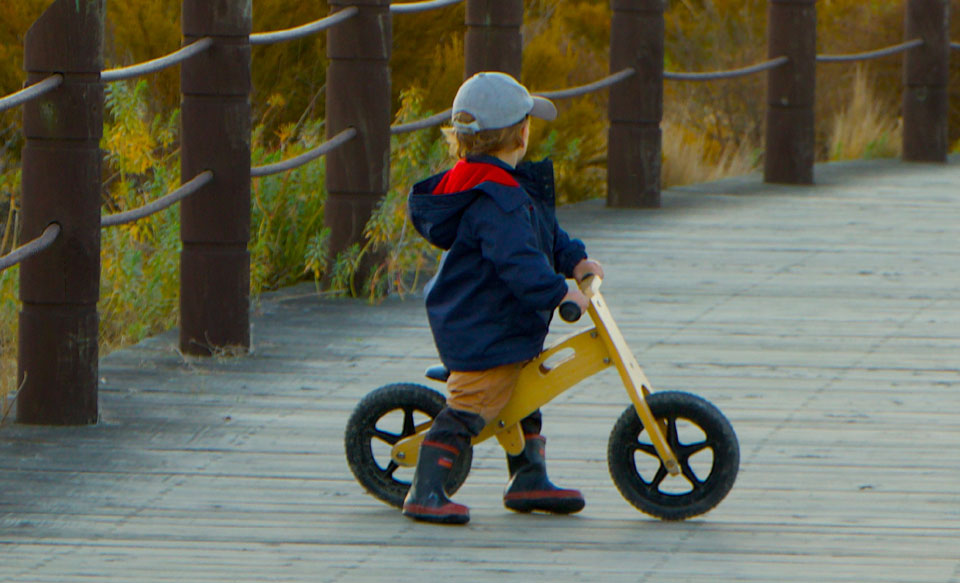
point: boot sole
(551, 505)
(436, 518)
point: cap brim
(543, 108)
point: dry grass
(690, 157)
(866, 127)
(8, 337)
(8, 376)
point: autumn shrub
(703, 35)
(715, 35)
(566, 46)
(286, 208)
(398, 257)
(15, 19)
(139, 274)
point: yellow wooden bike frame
(584, 354)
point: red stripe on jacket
(466, 175)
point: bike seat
(438, 372)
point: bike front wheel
(381, 419)
(704, 443)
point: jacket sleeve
(507, 240)
(567, 252)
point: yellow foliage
(16, 16)
(133, 148)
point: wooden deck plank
(824, 322)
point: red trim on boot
(444, 446)
(449, 513)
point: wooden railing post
(493, 40)
(925, 77)
(59, 288)
(790, 136)
(215, 222)
(636, 105)
(358, 96)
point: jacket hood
(437, 204)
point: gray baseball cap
(497, 100)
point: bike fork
(634, 381)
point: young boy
(500, 278)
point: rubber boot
(530, 489)
(427, 500)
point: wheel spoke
(386, 436)
(689, 474)
(672, 436)
(409, 427)
(647, 448)
(658, 479)
(391, 468)
(690, 449)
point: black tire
(639, 474)
(380, 420)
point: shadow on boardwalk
(824, 321)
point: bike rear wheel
(704, 443)
(381, 419)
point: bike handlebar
(569, 310)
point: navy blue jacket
(504, 261)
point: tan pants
(484, 392)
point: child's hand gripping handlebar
(569, 310)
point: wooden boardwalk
(824, 321)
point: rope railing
(884, 52)
(185, 190)
(46, 239)
(429, 122)
(158, 64)
(297, 161)
(266, 38)
(32, 92)
(411, 7)
(730, 74)
(590, 87)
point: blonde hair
(483, 142)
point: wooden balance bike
(671, 454)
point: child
(499, 281)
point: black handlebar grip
(570, 311)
